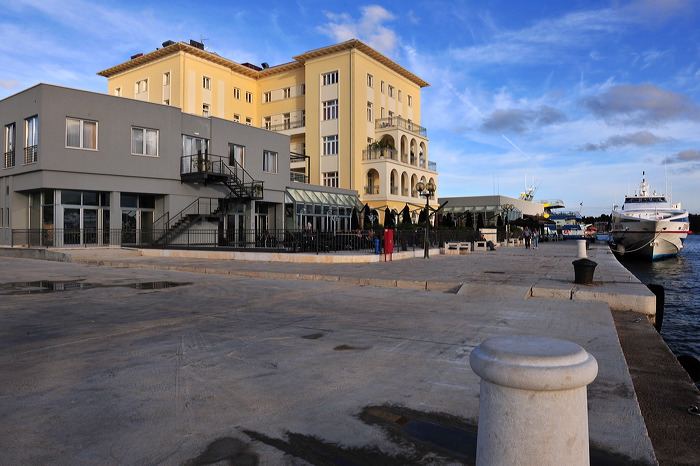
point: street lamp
(507, 208)
(427, 190)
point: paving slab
(108, 365)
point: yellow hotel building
(352, 114)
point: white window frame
(269, 164)
(330, 179)
(287, 92)
(330, 145)
(10, 144)
(390, 91)
(330, 109)
(146, 148)
(409, 99)
(267, 97)
(329, 78)
(206, 82)
(206, 110)
(236, 93)
(236, 118)
(249, 97)
(141, 86)
(82, 134)
(369, 112)
(166, 78)
(370, 80)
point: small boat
(648, 226)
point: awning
(307, 196)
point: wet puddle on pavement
(51, 286)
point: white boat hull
(647, 239)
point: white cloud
(369, 28)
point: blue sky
(575, 98)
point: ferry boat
(648, 226)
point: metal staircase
(207, 168)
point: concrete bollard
(581, 243)
(532, 404)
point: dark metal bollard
(583, 271)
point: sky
(574, 98)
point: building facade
(352, 115)
(83, 168)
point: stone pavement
(119, 358)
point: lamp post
(427, 190)
(507, 208)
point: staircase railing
(200, 206)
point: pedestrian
(535, 238)
(527, 235)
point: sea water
(680, 277)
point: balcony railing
(286, 125)
(379, 153)
(31, 154)
(9, 159)
(371, 189)
(398, 122)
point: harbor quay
(119, 356)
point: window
(249, 97)
(236, 155)
(141, 86)
(381, 87)
(269, 161)
(236, 117)
(287, 120)
(410, 100)
(370, 80)
(205, 110)
(10, 133)
(267, 122)
(31, 139)
(81, 134)
(330, 145)
(369, 111)
(144, 141)
(248, 121)
(267, 97)
(399, 95)
(236, 93)
(330, 179)
(330, 78)
(330, 109)
(166, 78)
(118, 92)
(391, 91)
(287, 92)
(206, 82)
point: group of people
(531, 236)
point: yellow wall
(352, 92)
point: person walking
(527, 235)
(535, 238)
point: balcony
(9, 159)
(31, 154)
(400, 123)
(290, 128)
(380, 153)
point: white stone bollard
(581, 243)
(532, 403)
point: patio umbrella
(366, 221)
(470, 220)
(354, 219)
(388, 218)
(406, 215)
(479, 221)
